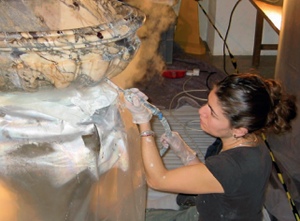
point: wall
(241, 36)
(286, 148)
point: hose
(154, 110)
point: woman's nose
(202, 110)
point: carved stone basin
(65, 42)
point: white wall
(241, 36)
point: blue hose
(155, 111)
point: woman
(231, 183)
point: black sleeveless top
(243, 173)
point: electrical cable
(233, 60)
(207, 79)
(185, 92)
(280, 177)
(186, 130)
(155, 111)
(185, 126)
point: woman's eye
(213, 114)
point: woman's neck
(249, 140)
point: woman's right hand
(140, 113)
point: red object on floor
(174, 73)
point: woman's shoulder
(240, 157)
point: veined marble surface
(61, 42)
(32, 15)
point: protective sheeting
(69, 154)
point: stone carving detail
(101, 43)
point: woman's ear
(239, 132)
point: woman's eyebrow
(212, 110)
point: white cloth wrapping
(64, 155)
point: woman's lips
(201, 122)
